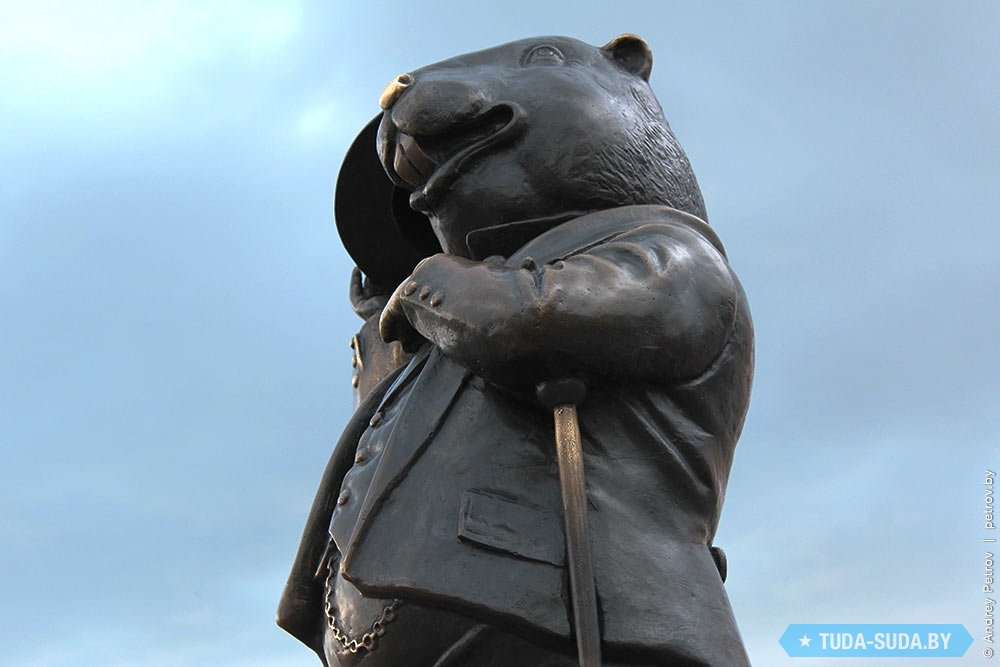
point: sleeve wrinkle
(652, 303)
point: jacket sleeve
(654, 303)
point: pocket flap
(513, 527)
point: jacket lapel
(435, 389)
(411, 369)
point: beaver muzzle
(429, 163)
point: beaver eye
(544, 54)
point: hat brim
(382, 234)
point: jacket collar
(506, 238)
(544, 239)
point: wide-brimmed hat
(382, 234)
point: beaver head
(545, 128)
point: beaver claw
(367, 299)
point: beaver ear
(631, 53)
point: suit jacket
(463, 509)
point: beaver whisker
(441, 147)
(453, 150)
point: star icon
(805, 640)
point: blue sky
(174, 319)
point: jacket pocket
(512, 527)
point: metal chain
(367, 640)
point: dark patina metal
(536, 268)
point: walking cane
(562, 397)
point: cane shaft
(581, 572)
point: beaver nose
(392, 92)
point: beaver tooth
(411, 163)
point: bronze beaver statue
(522, 215)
